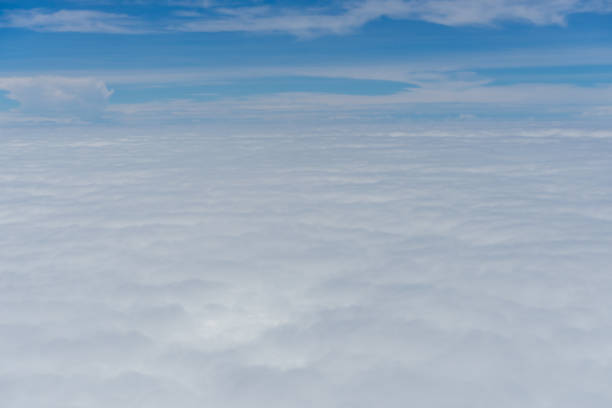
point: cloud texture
(336, 269)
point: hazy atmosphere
(330, 204)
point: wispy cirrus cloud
(317, 21)
(83, 21)
(543, 12)
(329, 94)
(340, 18)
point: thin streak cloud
(82, 21)
(303, 22)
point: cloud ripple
(187, 269)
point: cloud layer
(278, 94)
(183, 268)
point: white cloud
(57, 96)
(305, 21)
(86, 98)
(184, 267)
(453, 12)
(441, 97)
(355, 14)
(602, 111)
(83, 21)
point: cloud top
(56, 95)
(190, 268)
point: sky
(331, 204)
(141, 61)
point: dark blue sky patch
(580, 75)
(256, 86)
(5, 102)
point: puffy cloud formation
(52, 95)
(173, 268)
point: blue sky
(112, 61)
